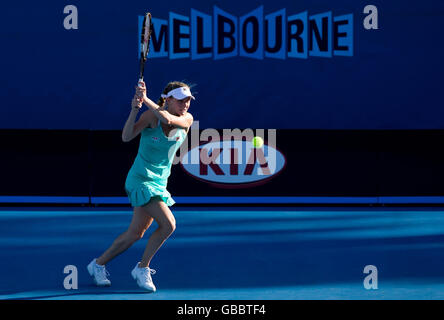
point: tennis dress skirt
(148, 176)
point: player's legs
(139, 224)
(166, 222)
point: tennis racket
(145, 43)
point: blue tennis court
(230, 253)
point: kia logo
(233, 163)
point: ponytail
(161, 102)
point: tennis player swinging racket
(163, 128)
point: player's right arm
(133, 128)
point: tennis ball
(257, 142)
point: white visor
(179, 93)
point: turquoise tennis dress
(149, 173)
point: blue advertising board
(253, 64)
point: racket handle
(139, 83)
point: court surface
(230, 253)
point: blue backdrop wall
(389, 78)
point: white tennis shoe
(143, 278)
(99, 274)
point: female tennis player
(163, 128)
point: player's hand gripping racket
(145, 43)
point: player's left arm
(164, 116)
(183, 122)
